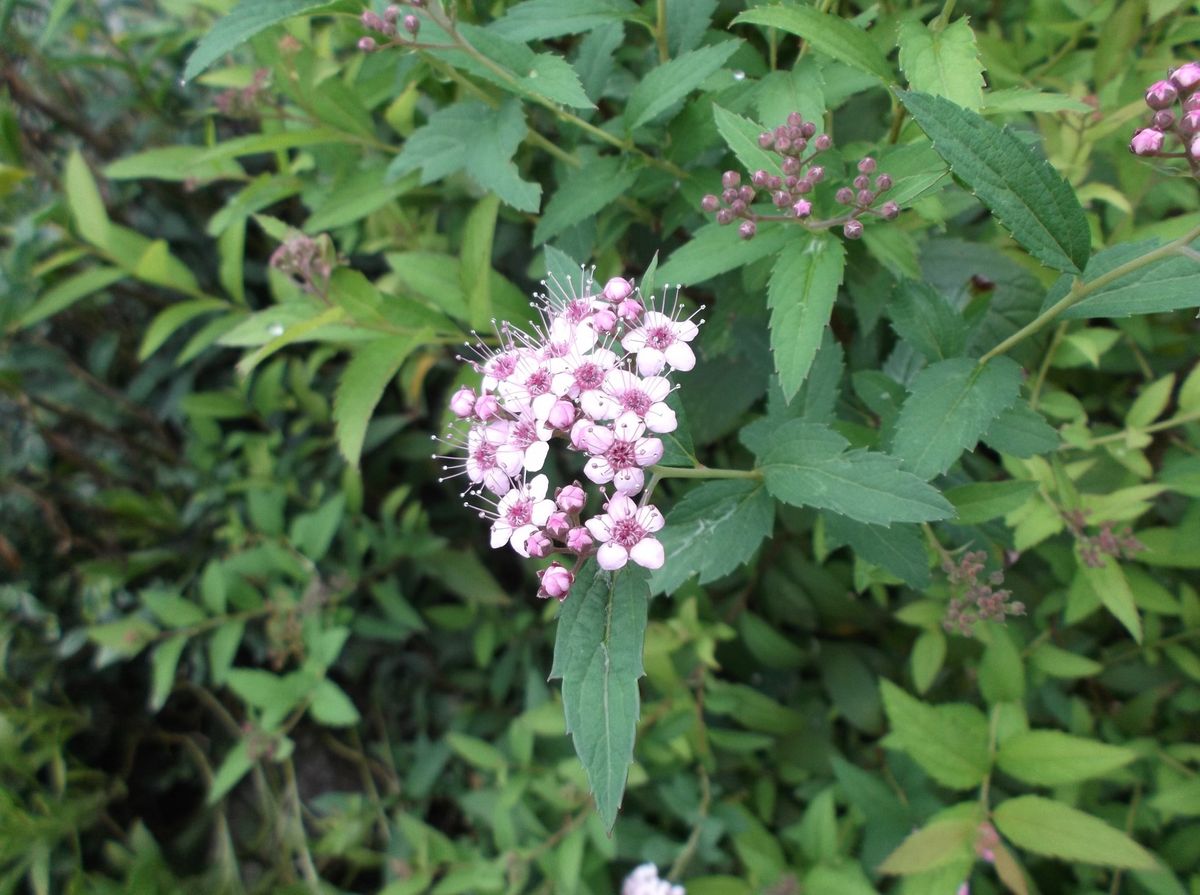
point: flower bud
(823, 142)
(781, 132)
(730, 179)
(1192, 102)
(802, 209)
(1190, 122)
(783, 145)
(537, 544)
(1162, 120)
(861, 182)
(630, 309)
(780, 198)
(366, 44)
(724, 216)
(808, 129)
(1194, 149)
(561, 415)
(370, 20)
(890, 211)
(737, 206)
(789, 182)
(570, 498)
(1186, 76)
(617, 289)
(803, 186)
(579, 539)
(795, 119)
(604, 320)
(486, 407)
(1147, 141)
(816, 173)
(746, 193)
(710, 203)
(759, 178)
(844, 196)
(852, 229)
(791, 165)
(462, 403)
(412, 25)
(556, 581)
(729, 195)
(747, 229)
(864, 197)
(578, 432)
(766, 140)
(1161, 94)
(558, 524)
(392, 13)
(883, 183)
(866, 165)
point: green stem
(1081, 290)
(703, 472)
(660, 32)
(1180, 419)
(1036, 391)
(943, 18)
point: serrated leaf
(370, 369)
(950, 405)
(741, 136)
(942, 62)
(1053, 758)
(598, 657)
(935, 844)
(829, 34)
(1046, 827)
(806, 464)
(899, 549)
(542, 19)
(667, 84)
(1027, 196)
(949, 741)
(1022, 432)
(244, 21)
(585, 192)
(924, 319)
(714, 249)
(736, 513)
(804, 286)
(984, 501)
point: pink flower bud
(579, 540)
(561, 415)
(890, 211)
(780, 198)
(808, 129)
(578, 431)
(412, 25)
(747, 229)
(486, 407)
(844, 196)
(710, 203)
(864, 198)
(1194, 149)
(570, 498)
(1190, 122)
(462, 403)
(823, 142)
(746, 193)
(816, 173)
(372, 21)
(1162, 120)
(802, 209)
(883, 183)
(759, 178)
(783, 145)
(803, 186)
(730, 179)
(366, 44)
(866, 165)
(630, 309)
(537, 544)
(556, 581)
(791, 165)
(617, 289)
(724, 216)
(1186, 76)
(1147, 141)
(392, 13)
(1192, 102)
(765, 140)
(861, 182)
(558, 524)
(604, 321)
(853, 229)
(1161, 94)
(794, 119)
(729, 195)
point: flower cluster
(389, 24)
(593, 374)
(644, 881)
(798, 144)
(976, 600)
(1093, 549)
(1175, 105)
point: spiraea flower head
(1174, 120)
(591, 378)
(644, 880)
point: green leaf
(949, 741)
(804, 286)
(331, 706)
(899, 549)
(663, 86)
(371, 368)
(236, 764)
(735, 513)
(942, 62)
(929, 652)
(125, 637)
(1027, 196)
(924, 319)
(1001, 670)
(67, 292)
(312, 533)
(222, 649)
(586, 192)
(1045, 827)
(171, 610)
(1109, 583)
(477, 752)
(741, 135)
(84, 200)
(829, 34)
(598, 657)
(806, 464)
(1022, 432)
(476, 139)
(1061, 663)
(1053, 758)
(1151, 403)
(168, 321)
(1169, 284)
(543, 75)
(163, 662)
(984, 501)
(475, 267)
(1026, 99)
(950, 405)
(932, 846)
(244, 21)
(175, 163)
(541, 19)
(714, 249)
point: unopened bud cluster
(798, 145)
(1093, 549)
(307, 261)
(592, 375)
(976, 597)
(1175, 116)
(390, 25)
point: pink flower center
(538, 382)
(523, 434)
(627, 532)
(556, 349)
(637, 401)
(660, 337)
(578, 310)
(588, 376)
(622, 455)
(501, 367)
(519, 513)
(485, 455)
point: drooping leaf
(586, 192)
(370, 369)
(1054, 758)
(983, 501)
(942, 62)
(1109, 583)
(1028, 197)
(949, 741)
(163, 662)
(475, 260)
(244, 21)
(806, 464)
(736, 514)
(950, 405)
(667, 84)
(1046, 827)
(804, 286)
(598, 657)
(830, 34)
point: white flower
(520, 513)
(620, 453)
(484, 464)
(661, 340)
(584, 373)
(624, 532)
(525, 445)
(623, 391)
(644, 881)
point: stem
(943, 18)
(993, 729)
(307, 867)
(660, 32)
(1081, 290)
(1036, 391)
(703, 472)
(1180, 419)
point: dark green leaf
(667, 84)
(586, 192)
(804, 286)
(714, 249)
(1169, 284)
(371, 368)
(741, 136)
(830, 34)
(1021, 431)
(899, 549)
(924, 319)
(983, 501)
(541, 19)
(243, 22)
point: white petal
(509, 458)
(535, 455)
(661, 419)
(650, 361)
(600, 527)
(634, 340)
(497, 482)
(611, 556)
(650, 519)
(501, 532)
(598, 470)
(685, 330)
(538, 486)
(621, 507)
(541, 405)
(604, 358)
(629, 426)
(597, 439)
(563, 383)
(618, 382)
(655, 319)
(680, 356)
(648, 553)
(656, 388)
(474, 469)
(598, 405)
(629, 481)
(541, 512)
(648, 451)
(520, 536)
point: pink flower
(484, 464)
(520, 513)
(617, 289)
(556, 582)
(538, 544)
(579, 540)
(625, 533)
(487, 407)
(604, 321)
(1186, 76)
(583, 372)
(558, 524)
(462, 402)
(659, 341)
(525, 444)
(570, 498)
(1147, 141)
(630, 310)
(623, 391)
(619, 453)
(530, 386)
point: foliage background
(251, 643)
